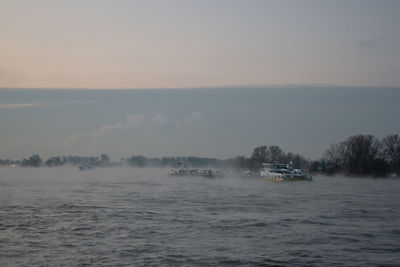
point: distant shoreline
(359, 155)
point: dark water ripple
(124, 217)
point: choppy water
(130, 216)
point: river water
(128, 216)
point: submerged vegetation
(358, 155)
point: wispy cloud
(19, 105)
(194, 118)
(131, 121)
(371, 42)
(138, 121)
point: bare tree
(335, 157)
(362, 155)
(276, 153)
(391, 146)
(259, 156)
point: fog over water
(129, 216)
(221, 122)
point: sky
(229, 75)
(214, 122)
(179, 44)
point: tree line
(267, 154)
(36, 161)
(104, 161)
(362, 155)
(358, 155)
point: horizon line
(244, 86)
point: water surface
(129, 216)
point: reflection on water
(145, 217)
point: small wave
(344, 238)
(182, 260)
(271, 262)
(68, 245)
(243, 262)
(257, 224)
(395, 232)
(300, 253)
(315, 222)
(352, 250)
(231, 262)
(82, 228)
(367, 235)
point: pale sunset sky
(298, 74)
(173, 44)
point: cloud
(19, 105)
(194, 118)
(25, 105)
(371, 42)
(131, 121)
(138, 121)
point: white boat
(86, 167)
(196, 172)
(211, 173)
(283, 172)
(184, 172)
